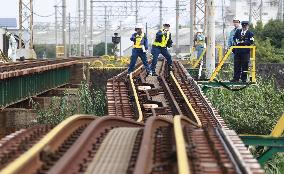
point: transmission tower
(26, 23)
(197, 17)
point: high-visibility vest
(164, 40)
(200, 40)
(138, 39)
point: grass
(254, 110)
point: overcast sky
(46, 7)
(41, 7)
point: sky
(150, 15)
(46, 7)
(41, 7)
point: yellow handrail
(199, 59)
(253, 73)
(220, 55)
(220, 52)
(279, 128)
(186, 100)
(183, 167)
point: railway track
(14, 145)
(156, 125)
(42, 155)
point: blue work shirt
(231, 41)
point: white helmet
(139, 25)
(236, 19)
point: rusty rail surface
(50, 148)
(202, 106)
(78, 157)
(14, 145)
(155, 150)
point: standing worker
(140, 47)
(231, 41)
(242, 37)
(199, 43)
(162, 42)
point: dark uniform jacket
(243, 40)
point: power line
(44, 16)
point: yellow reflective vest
(138, 39)
(165, 39)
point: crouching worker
(140, 47)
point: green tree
(257, 29)
(268, 40)
(274, 30)
(99, 49)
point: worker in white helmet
(199, 42)
(140, 47)
(236, 23)
(163, 40)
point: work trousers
(155, 52)
(138, 52)
(199, 49)
(241, 64)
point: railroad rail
(50, 148)
(156, 124)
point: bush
(89, 101)
(254, 110)
(266, 53)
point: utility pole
(280, 10)
(64, 26)
(79, 19)
(210, 54)
(224, 25)
(56, 25)
(177, 27)
(31, 44)
(91, 28)
(250, 11)
(192, 9)
(260, 10)
(85, 28)
(161, 13)
(120, 29)
(69, 37)
(105, 30)
(136, 11)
